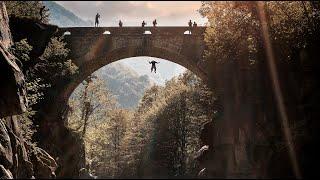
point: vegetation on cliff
(28, 9)
(39, 77)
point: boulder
(44, 165)
(5, 147)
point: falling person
(153, 66)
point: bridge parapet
(97, 31)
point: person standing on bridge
(120, 23)
(96, 24)
(153, 66)
(190, 23)
(190, 26)
(195, 24)
(154, 23)
(143, 23)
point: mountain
(123, 82)
(63, 17)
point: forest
(163, 131)
(160, 138)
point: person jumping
(153, 66)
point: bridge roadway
(133, 30)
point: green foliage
(103, 144)
(34, 88)
(164, 133)
(101, 102)
(39, 77)
(161, 134)
(55, 64)
(27, 9)
(21, 50)
(93, 114)
(234, 31)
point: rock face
(12, 99)
(205, 154)
(66, 146)
(17, 158)
(52, 136)
(38, 34)
(5, 36)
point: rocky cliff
(18, 159)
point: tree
(234, 28)
(167, 127)
(28, 9)
(55, 65)
(90, 103)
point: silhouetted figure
(190, 26)
(154, 23)
(96, 24)
(153, 66)
(195, 24)
(120, 23)
(190, 23)
(143, 23)
(41, 12)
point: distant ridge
(62, 17)
(124, 83)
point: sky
(132, 13)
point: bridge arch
(89, 67)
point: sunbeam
(276, 88)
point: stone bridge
(94, 47)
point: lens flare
(276, 88)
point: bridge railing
(97, 31)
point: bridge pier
(233, 132)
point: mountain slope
(63, 17)
(124, 83)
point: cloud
(132, 13)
